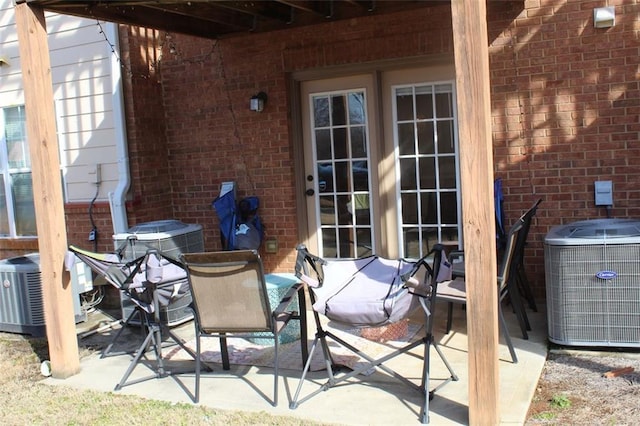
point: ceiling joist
(223, 18)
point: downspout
(117, 198)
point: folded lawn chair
(520, 273)
(371, 292)
(151, 281)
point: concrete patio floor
(373, 400)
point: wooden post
(470, 43)
(57, 291)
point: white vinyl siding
(81, 67)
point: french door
(381, 164)
(338, 166)
(426, 160)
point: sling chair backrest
(229, 291)
(367, 292)
(139, 278)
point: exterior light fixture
(258, 102)
(3, 61)
(604, 17)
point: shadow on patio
(373, 399)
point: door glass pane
(408, 174)
(428, 175)
(424, 102)
(344, 215)
(340, 145)
(360, 176)
(338, 111)
(323, 144)
(429, 238)
(343, 175)
(449, 203)
(346, 246)
(450, 233)
(447, 170)
(321, 111)
(364, 246)
(327, 210)
(410, 210)
(444, 101)
(343, 181)
(325, 177)
(358, 141)
(426, 143)
(329, 246)
(429, 208)
(360, 207)
(406, 139)
(404, 104)
(356, 108)
(445, 137)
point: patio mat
(244, 352)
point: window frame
(7, 173)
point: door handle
(310, 192)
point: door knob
(310, 192)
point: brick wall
(564, 97)
(150, 192)
(566, 105)
(78, 217)
(213, 136)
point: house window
(17, 211)
(424, 125)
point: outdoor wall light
(258, 102)
(3, 61)
(604, 17)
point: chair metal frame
(424, 291)
(454, 291)
(213, 312)
(120, 273)
(521, 275)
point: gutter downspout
(117, 198)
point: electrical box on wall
(604, 193)
(95, 174)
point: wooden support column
(476, 168)
(57, 291)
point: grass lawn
(27, 401)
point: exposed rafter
(224, 18)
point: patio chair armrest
(288, 298)
(456, 255)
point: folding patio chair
(367, 292)
(151, 281)
(498, 203)
(455, 292)
(230, 299)
(520, 273)
(520, 278)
